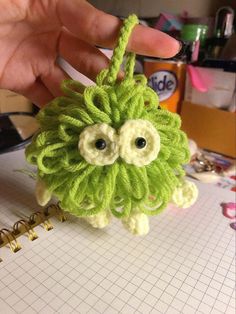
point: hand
(33, 33)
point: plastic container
(194, 32)
(167, 78)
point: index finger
(102, 29)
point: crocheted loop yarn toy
(109, 150)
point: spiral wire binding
(23, 223)
(11, 239)
(22, 226)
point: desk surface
(184, 265)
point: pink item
(196, 79)
(229, 210)
(168, 22)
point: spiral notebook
(184, 265)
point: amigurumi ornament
(109, 150)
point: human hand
(33, 33)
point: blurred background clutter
(199, 83)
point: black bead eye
(100, 144)
(140, 142)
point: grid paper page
(184, 265)
(16, 198)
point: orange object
(210, 128)
(167, 78)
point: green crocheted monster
(108, 150)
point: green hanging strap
(119, 52)
(109, 76)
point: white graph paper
(184, 265)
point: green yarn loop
(85, 189)
(119, 52)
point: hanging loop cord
(119, 52)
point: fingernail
(182, 48)
(180, 45)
